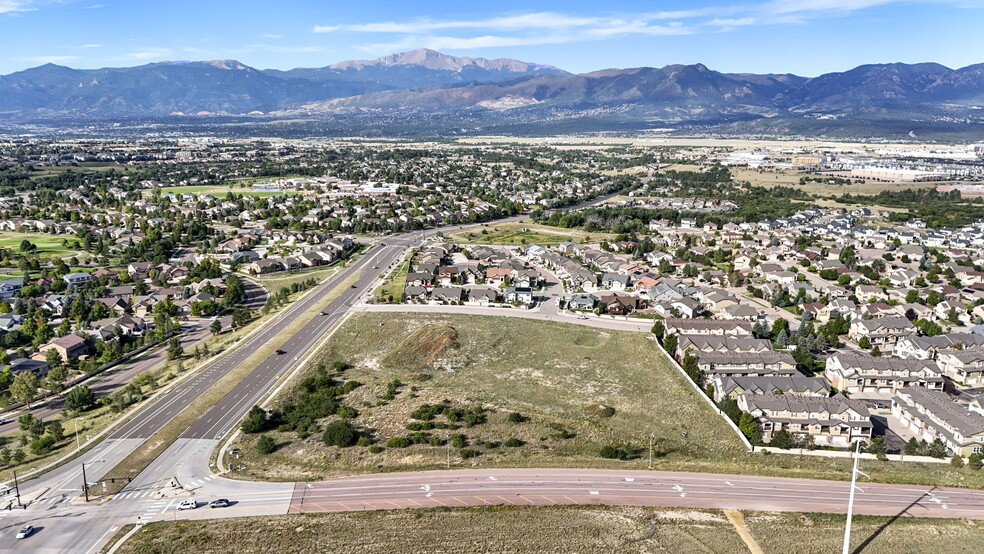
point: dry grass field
(565, 529)
(515, 234)
(577, 388)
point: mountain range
(429, 82)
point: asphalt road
(194, 332)
(547, 487)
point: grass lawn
(275, 281)
(576, 386)
(217, 191)
(524, 233)
(394, 284)
(48, 245)
(564, 529)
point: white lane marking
(629, 479)
(492, 478)
(593, 492)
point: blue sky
(807, 37)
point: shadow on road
(867, 542)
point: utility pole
(17, 491)
(78, 445)
(650, 451)
(447, 437)
(850, 501)
(85, 483)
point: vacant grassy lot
(515, 234)
(791, 178)
(579, 389)
(48, 245)
(551, 529)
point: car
(582, 317)
(220, 503)
(25, 532)
(188, 505)
(280, 351)
(353, 286)
(2, 421)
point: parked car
(220, 503)
(25, 532)
(188, 505)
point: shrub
(609, 451)
(516, 417)
(339, 433)
(375, 449)
(513, 442)
(466, 453)
(346, 412)
(265, 445)
(364, 441)
(256, 421)
(399, 442)
(42, 445)
(957, 461)
(459, 441)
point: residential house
(747, 364)
(932, 415)
(966, 367)
(834, 421)
(860, 373)
(78, 278)
(70, 346)
(681, 326)
(729, 386)
(882, 332)
(583, 301)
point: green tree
(215, 327)
(957, 461)
(864, 342)
(42, 445)
(658, 329)
(936, 449)
(748, 426)
(174, 349)
(782, 439)
(80, 399)
(56, 429)
(670, 344)
(25, 387)
(877, 447)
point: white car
(188, 505)
(25, 532)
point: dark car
(279, 351)
(220, 503)
(353, 286)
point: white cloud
(556, 28)
(14, 6)
(149, 54)
(270, 36)
(93, 46)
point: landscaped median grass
(585, 529)
(394, 284)
(139, 459)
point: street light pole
(17, 491)
(850, 501)
(78, 445)
(650, 451)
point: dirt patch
(422, 348)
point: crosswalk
(146, 494)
